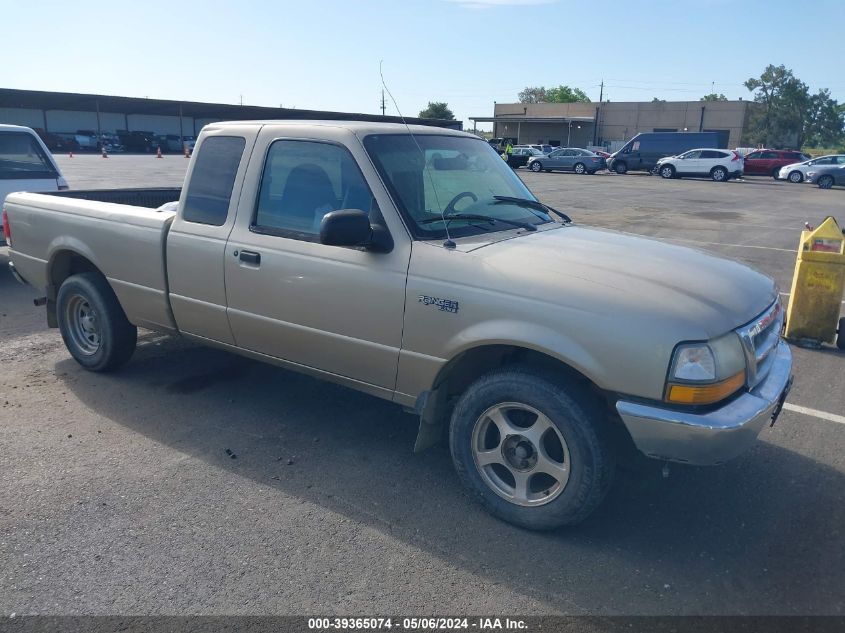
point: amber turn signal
(705, 394)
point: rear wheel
(620, 168)
(94, 327)
(536, 166)
(719, 174)
(579, 168)
(530, 448)
(667, 171)
(825, 182)
(795, 176)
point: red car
(767, 162)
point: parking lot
(120, 496)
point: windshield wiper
(534, 204)
(487, 218)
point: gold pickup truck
(412, 264)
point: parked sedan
(827, 176)
(719, 164)
(797, 172)
(581, 161)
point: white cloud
(487, 4)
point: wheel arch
(65, 261)
(435, 406)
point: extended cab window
(303, 181)
(212, 179)
(21, 156)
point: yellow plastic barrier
(816, 297)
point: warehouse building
(67, 113)
(610, 124)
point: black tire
(795, 176)
(667, 171)
(620, 168)
(579, 168)
(775, 173)
(575, 418)
(719, 174)
(840, 339)
(536, 166)
(825, 182)
(109, 338)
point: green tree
(656, 100)
(565, 94)
(530, 94)
(560, 94)
(437, 110)
(826, 125)
(782, 115)
(714, 97)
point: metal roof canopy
(78, 102)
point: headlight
(704, 373)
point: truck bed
(125, 241)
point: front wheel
(719, 174)
(620, 168)
(667, 171)
(94, 327)
(531, 449)
(795, 176)
(579, 168)
(536, 166)
(776, 173)
(825, 182)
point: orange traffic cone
(105, 154)
(158, 152)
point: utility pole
(601, 92)
(382, 102)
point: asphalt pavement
(119, 495)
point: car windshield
(430, 176)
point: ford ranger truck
(412, 264)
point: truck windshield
(429, 176)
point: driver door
(336, 309)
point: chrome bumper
(16, 274)
(717, 436)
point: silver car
(827, 175)
(797, 172)
(581, 161)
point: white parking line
(823, 415)
(786, 294)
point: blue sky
(324, 54)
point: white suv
(719, 164)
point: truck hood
(597, 270)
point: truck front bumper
(716, 436)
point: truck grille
(759, 339)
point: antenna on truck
(448, 243)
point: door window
(691, 155)
(769, 155)
(709, 153)
(21, 156)
(212, 179)
(302, 182)
(753, 156)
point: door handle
(250, 257)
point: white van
(26, 164)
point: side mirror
(351, 227)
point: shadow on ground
(743, 538)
